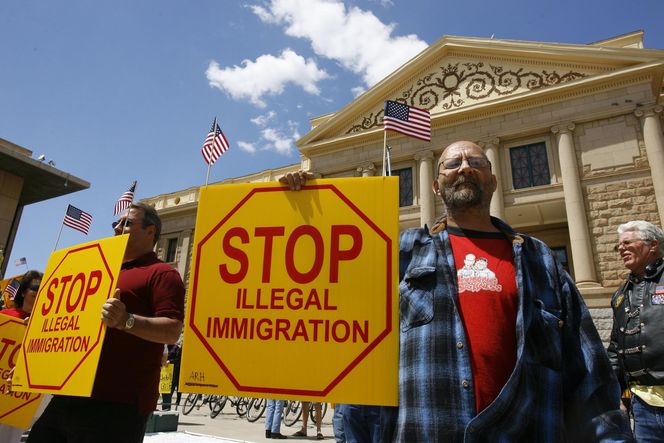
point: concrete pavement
(198, 427)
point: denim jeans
(338, 424)
(648, 421)
(361, 423)
(273, 413)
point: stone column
(577, 222)
(652, 135)
(186, 236)
(490, 148)
(426, 197)
(366, 170)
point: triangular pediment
(455, 74)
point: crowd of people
(496, 343)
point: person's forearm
(156, 329)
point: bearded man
(516, 360)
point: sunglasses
(123, 222)
(34, 288)
(473, 162)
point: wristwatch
(130, 322)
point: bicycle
(192, 401)
(293, 412)
(255, 409)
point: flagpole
(124, 225)
(384, 149)
(389, 161)
(62, 225)
(207, 177)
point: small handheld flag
(21, 261)
(215, 144)
(125, 199)
(407, 120)
(77, 219)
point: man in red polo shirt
(146, 313)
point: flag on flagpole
(215, 144)
(77, 219)
(125, 200)
(12, 288)
(407, 120)
(21, 261)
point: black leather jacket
(636, 350)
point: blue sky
(116, 91)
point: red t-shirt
(488, 304)
(16, 312)
(129, 366)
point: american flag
(21, 261)
(215, 144)
(125, 200)
(407, 120)
(12, 288)
(77, 219)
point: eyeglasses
(34, 288)
(123, 222)
(625, 244)
(473, 162)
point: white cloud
(277, 141)
(355, 38)
(268, 75)
(357, 90)
(247, 147)
(262, 120)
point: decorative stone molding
(563, 128)
(648, 111)
(455, 84)
(366, 169)
(423, 155)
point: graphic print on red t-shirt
(488, 305)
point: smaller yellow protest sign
(16, 408)
(166, 379)
(63, 341)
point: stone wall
(603, 319)
(609, 205)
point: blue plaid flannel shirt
(562, 387)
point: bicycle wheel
(241, 406)
(190, 403)
(292, 413)
(256, 409)
(218, 406)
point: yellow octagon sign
(294, 294)
(63, 341)
(16, 408)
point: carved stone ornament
(459, 83)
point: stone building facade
(573, 132)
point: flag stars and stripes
(407, 120)
(215, 144)
(125, 200)
(77, 219)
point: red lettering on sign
(293, 273)
(78, 292)
(336, 254)
(234, 253)
(269, 233)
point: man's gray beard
(469, 197)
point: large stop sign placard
(63, 341)
(294, 294)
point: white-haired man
(636, 350)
